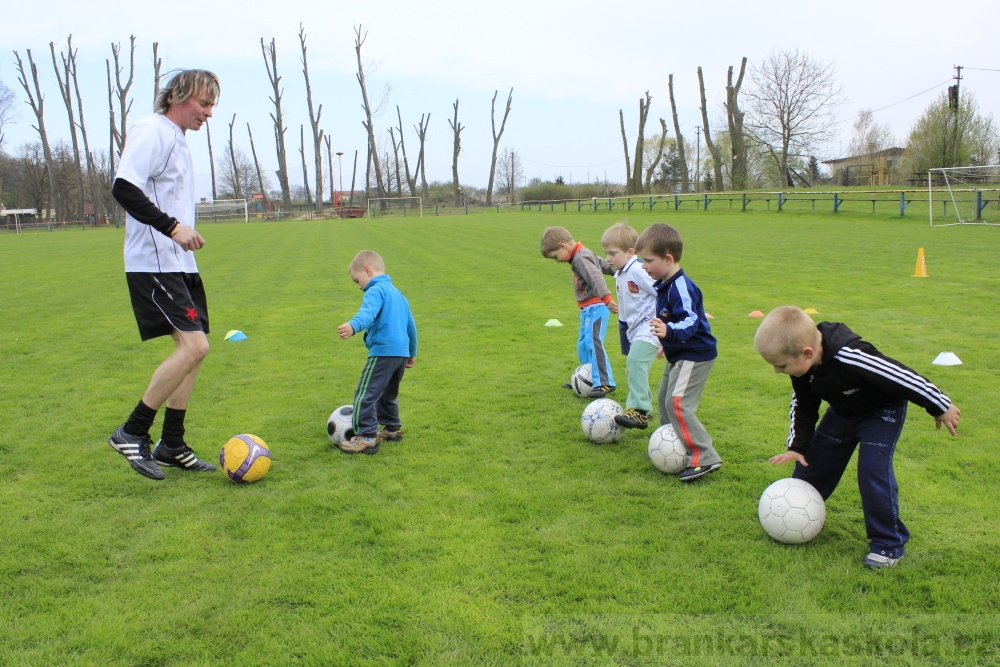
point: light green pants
(641, 356)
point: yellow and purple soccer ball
(245, 458)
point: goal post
(969, 196)
(221, 210)
(395, 206)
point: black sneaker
(136, 449)
(633, 419)
(691, 474)
(600, 392)
(182, 457)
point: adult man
(155, 186)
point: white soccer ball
(666, 451)
(581, 382)
(598, 421)
(791, 511)
(340, 425)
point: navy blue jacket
(679, 304)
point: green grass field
(494, 534)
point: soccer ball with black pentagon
(340, 425)
(245, 458)
(580, 382)
(666, 451)
(791, 511)
(598, 421)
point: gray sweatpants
(680, 393)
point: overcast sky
(572, 65)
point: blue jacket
(689, 336)
(385, 318)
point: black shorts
(164, 302)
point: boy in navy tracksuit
(867, 394)
(391, 339)
(688, 344)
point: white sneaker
(879, 560)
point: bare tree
(354, 176)
(510, 172)
(121, 91)
(680, 137)
(411, 181)
(211, 158)
(314, 122)
(792, 105)
(395, 162)
(456, 128)
(113, 142)
(871, 138)
(655, 161)
(31, 176)
(305, 171)
(91, 171)
(270, 51)
(716, 159)
(369, 113)
(256, 164)
(37, 103)
(236, 176)
(8, 112)
(421, 167)
(329, 159)
(628, 158)
(496, 139)
(67, 96)
(737, 140)
(157, 62)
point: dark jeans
(833, 444)
(376, 398)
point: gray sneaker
(183, 457)
(136, 450)
(880, 560)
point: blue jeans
(834, 442)
(590, 344)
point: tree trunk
(37, 103)
(112, 142)
(411, 181)
(369, 126)
(329, 159)
(256, 164)
(639, 141)
(279, 126)
(716, 159)
(314, 122)
(457, 129)
(124, 104)
(211, 157)
(496, 140)
(629, 187)
(67, 96)
(237, 180)
(395, 164)
(354, 175)
(305, 171)
(91, 175)
(157, 62)
(737, 140)
(659, 155)
(685, 185)
(421, 167)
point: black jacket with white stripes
(856, 380)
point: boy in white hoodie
(637, 306)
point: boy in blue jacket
(391, 339)
(688, 344)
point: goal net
(221, 210)
(395, 206)
(964, 195)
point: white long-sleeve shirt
(636, 301)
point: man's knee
(194, 347)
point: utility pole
(953, 103)
(697, 159)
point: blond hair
(184, 85)
(785, 332)
(553, 237)
(661, 240)
(368, 258)
(619, 236)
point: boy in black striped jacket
(867, 394)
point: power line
(935, 86)
(982, 69)
(573, 166)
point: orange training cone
(921, 270)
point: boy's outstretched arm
(949, 419)
(345, 330)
